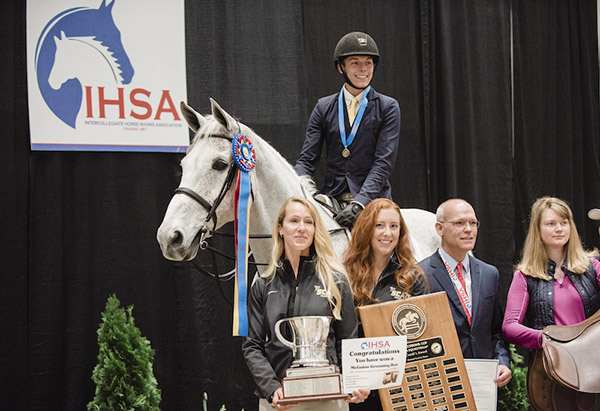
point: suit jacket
(373, 152)
(483, 338)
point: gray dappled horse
(204, 202)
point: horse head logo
(79, 45)
(409, 320)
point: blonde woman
(555, 281)
(304, 278)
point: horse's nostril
(176, 239)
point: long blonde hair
(359, 255)
(534, 260)
(327, 266)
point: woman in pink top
(555, 281)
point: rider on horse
(360, 128)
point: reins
(215, 251)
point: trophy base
(286, 401)
(315, 384)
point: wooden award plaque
(435, 376)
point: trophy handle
(281, 338)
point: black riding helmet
(355, 43)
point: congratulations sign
(106, 75)
(373, 362)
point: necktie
(459, 275)
(352, 110)
(463, 296)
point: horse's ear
(194, 119)
(221, 115)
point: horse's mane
(309, 185)
(212, 126)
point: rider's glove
(347, 216)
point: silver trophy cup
(310, 340)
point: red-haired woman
(379, 261)
(380, 264)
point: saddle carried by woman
(565, 372)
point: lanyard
(361, 111)
(464, 298)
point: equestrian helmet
(355, 43)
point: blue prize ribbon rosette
(243, 153)
(245, 158)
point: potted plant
(123, 376)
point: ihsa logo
(375, 344)
(80, 59)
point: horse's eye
(219, 165)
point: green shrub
(123, 376)
(513, 396)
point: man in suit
(360, 128)
(470, 284)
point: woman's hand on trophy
(275, 403)
(359, 395)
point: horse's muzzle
(176, 245)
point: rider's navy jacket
(373, 152)
(282, 296)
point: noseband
(211, 208)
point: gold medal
(346, 152)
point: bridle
(211, 208)
(211, 215)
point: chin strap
(347, 80)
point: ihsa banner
(106, 75)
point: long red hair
(359, 258)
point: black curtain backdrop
(556, 110)
(499, 105)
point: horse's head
(204, 200)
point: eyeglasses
(462, 224)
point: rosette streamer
(245, 158)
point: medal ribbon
(243, 154)
(464, 298)
(361, 111)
